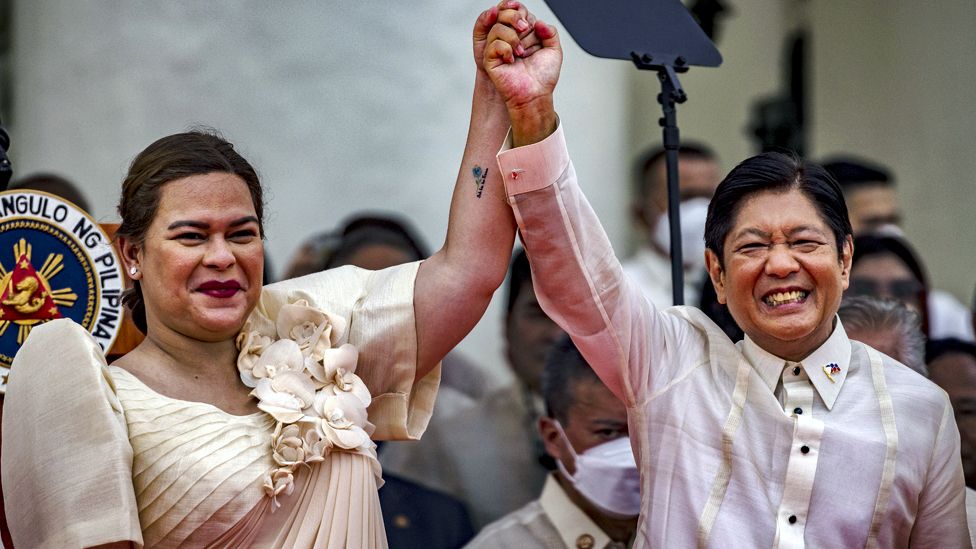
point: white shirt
(551, 522)
(651, 272)
(734, 448)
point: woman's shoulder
(57, 353)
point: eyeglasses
(907, 289)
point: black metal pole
(671, 94)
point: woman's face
(202, 260)
(884, 275)
(783, 277)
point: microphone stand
(671, 94)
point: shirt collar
(570, 521)
(830, 360)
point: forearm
(455, 285)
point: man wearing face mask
(593, 499)
(650, 266)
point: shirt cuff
(533, 167)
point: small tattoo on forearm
(480, 175)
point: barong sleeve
(66, 458)
(378, 306)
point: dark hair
(197, 152)
(650, 157)
(565, 368)
(937, 347)
(777, 172)
(54, 184)
(889, 316)
(519, 274)
(364, 230)
(869, 245)
(851, 173)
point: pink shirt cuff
(533, 167)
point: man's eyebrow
(753, 232)
(803, 228)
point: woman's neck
(190, 369)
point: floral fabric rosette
(309, 386)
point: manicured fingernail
(521, 25)
(513, 5)
(519, 50)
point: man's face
(956, 374)
(782, 277)
(595, 417)
(529, 333)
(698, 178)
(871, 207)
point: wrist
(533, 121)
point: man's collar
(570, 521)
(826, 367)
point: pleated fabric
(91, 455)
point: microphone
(6, 168)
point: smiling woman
(247, 415)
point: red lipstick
(220, 288)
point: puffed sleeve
(378, 306)
(66, 459)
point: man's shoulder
(523, 528)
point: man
(870, 194)
(888, 326)
(582, 420)
(488, 454)
(952, 365)
(650, 267)
(795, 436)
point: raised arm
(576, 275)
(455, 285)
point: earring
(133, 271)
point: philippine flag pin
(830, 370)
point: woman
(245, 416)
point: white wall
(341, 106)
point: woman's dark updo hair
(196, 152)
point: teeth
(781, 298)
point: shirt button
(798, 411)
(805, 449)
(796, 371)
(585, 541)
(792, 519)
(516, 173)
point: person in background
(872, 203)
(886, 266)
(53, 184)
(650, 266)
(593, 499)
(490, 455)
(869, 190)
(952, 366)
(887, 325)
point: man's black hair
(778, 172)
(851, 173)
(653, 155)
(936, 348)
(565, 368)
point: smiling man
(795, 436)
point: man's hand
(523, 57)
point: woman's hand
(522, 57)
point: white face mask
(692, 214)
(607, 476)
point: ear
(131, 257)
(555, 443)
(716, 273)
(846, 258)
